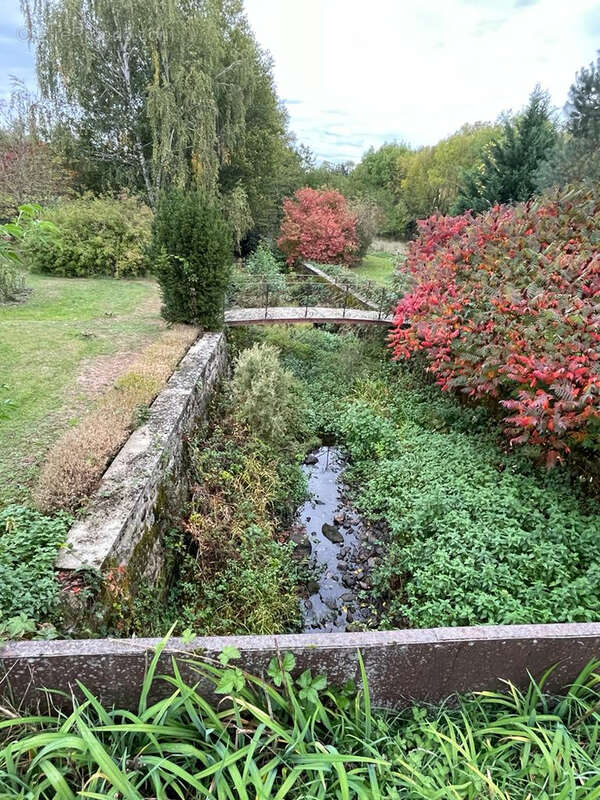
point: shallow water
(326, 608)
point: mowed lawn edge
(47, 345)
(377, 267)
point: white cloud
(357, 73)
(416, 71)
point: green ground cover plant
(65, 330)
(295, 736)
(477, 535)
(29, 544)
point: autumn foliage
(318, 226)
(506, 306)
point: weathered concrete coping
(401, 665)
(147, 471)
(296, 314)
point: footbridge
(309, 296)
(291, 314)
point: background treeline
(480, 165)
(144, 96)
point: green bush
(261, 273)
(12, 282)
(264, 268)
(95, 236)
(230, 570)
(265, 395)
(192, 252)
(29, 544)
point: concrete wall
(147, 480)
(401, 665)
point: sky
(356, 73)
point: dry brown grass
(75, 464)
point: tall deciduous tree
(154, 93)
(379, 177)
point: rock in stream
(336, 535)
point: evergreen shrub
(192, 253)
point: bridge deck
(258, 316)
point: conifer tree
(509, 165)
(576, 156)
(192, 252)
(583, 106)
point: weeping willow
(157, 93)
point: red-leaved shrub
(318, 226)
(506, 305)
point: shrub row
(94, 236)
(505, 308)
(187, 244)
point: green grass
(377, 267)
(293, 737)
(45, 343)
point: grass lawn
(58, 350)
(377, 267)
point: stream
(340, 548)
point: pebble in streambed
(328, 532)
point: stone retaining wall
(147, 481)
(401, 665)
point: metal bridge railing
(286, 290)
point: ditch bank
(402, 666)
(147, 482)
